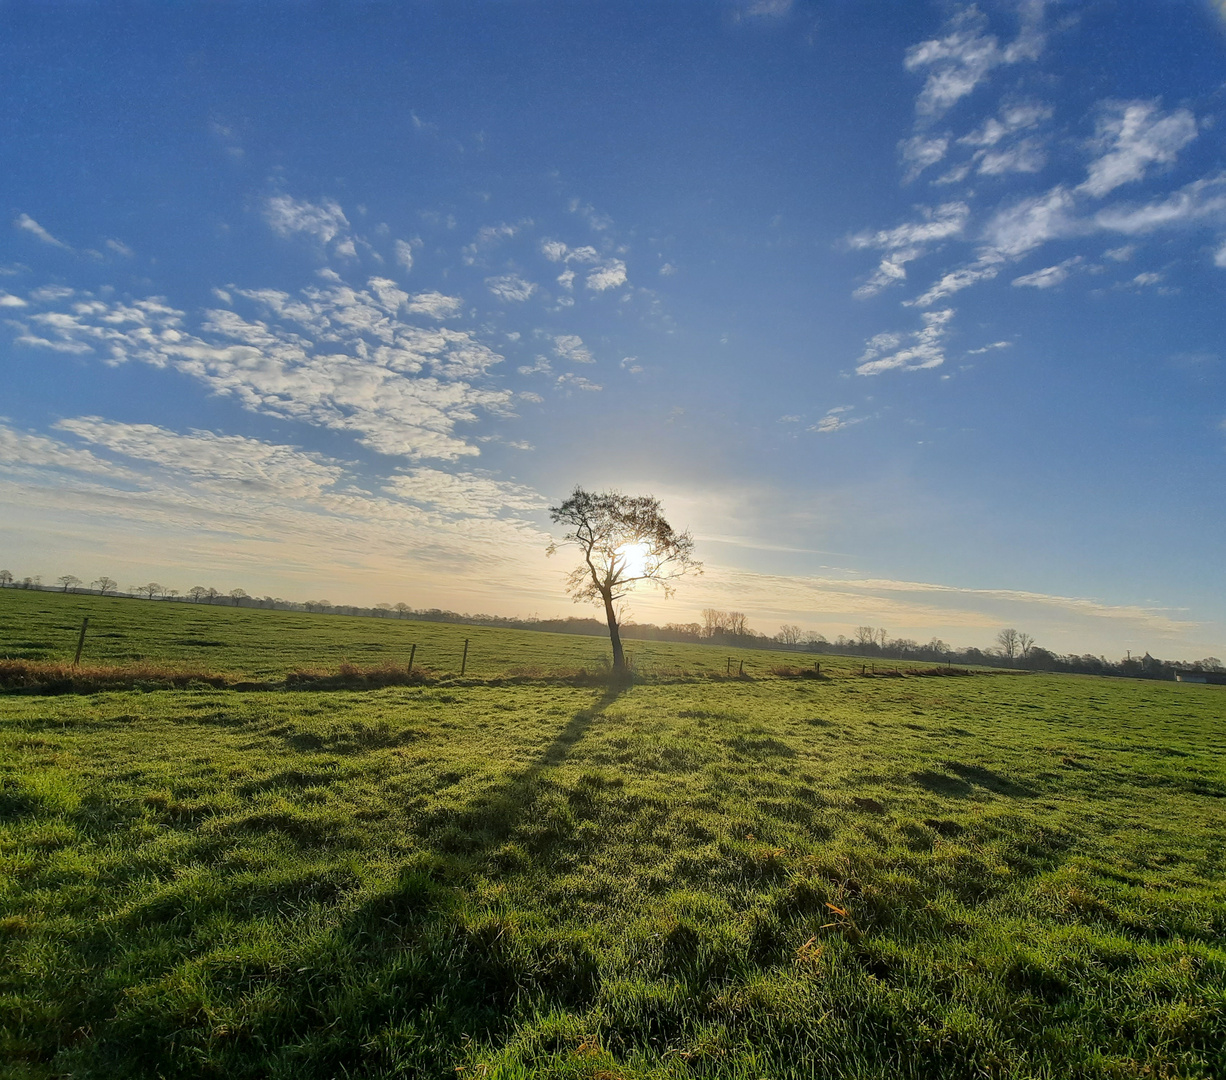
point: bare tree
(1024, 644)
(211, 594)
(402, 609)
(714, 622)
(105, 585)
(882, 636)
(789, 634)
(150, 590)
(238, 596)
(197, 593)
(738, 625)
(68, 581)
(865, 636)
(624, 540)
(1007, 640)
(6, 578)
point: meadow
(518, 875)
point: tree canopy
(623, 540)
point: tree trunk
(619, 659)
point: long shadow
(487, 821)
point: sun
(635, 559)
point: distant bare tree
(812, 637)
(714, 622)
(738, 625)
(6, 578)
(865, 636)
(402, 609)
(882, 636)
(105, 585)
(150, 590)
(211, 594)
(238, 596)
(789, 634)
(384, 610)
(197, 593)
(1024, 644)
(1007, 640)
(68, 581)
(171, 594)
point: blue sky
(913, 313)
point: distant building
(1218, 678)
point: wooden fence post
(464, 660)
(80, 642)
(412, 653)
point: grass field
(988, 876)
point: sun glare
(635, 557)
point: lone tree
(624, 540)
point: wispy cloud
(836, 419)
(923, 348)
(334, 356)
(28, 224)
(958, 62)
(1131, 137)
(404, 253)
(571, 347)
(510, 287)
(324, 221)
(905, 243)
(1049, 276)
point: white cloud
(567, 279)
(120, 248)
(1219, 257)
(332, 356)
(571, 381)
(510, 287)
(1026, 156)
(1049, 276)
(28, 224)
(986, 267)
(1121, 254)
(964, 58)
(464, 494)
(489, 237)
(989, 348)
(919, 152)
(667, 270)
(1132, 136)
(908, 242)
(20, 448)
(836, 419)
(229, 461)
(1013, 118)
(571, 347)
(923, 348)
(10, 301)
(608, 276)
(1032, 222)
(436, 304)
(1202, 200)
(404, 253)
(287, 216)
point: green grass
(978, 877)
(258, 644)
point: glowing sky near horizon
(912, 313)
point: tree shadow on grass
(487, 822)
(967, 778)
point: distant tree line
(1013, 648)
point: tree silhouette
(6, 578)
(105, 585)
(1007, 640)
(623, 540)
(68, 581)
